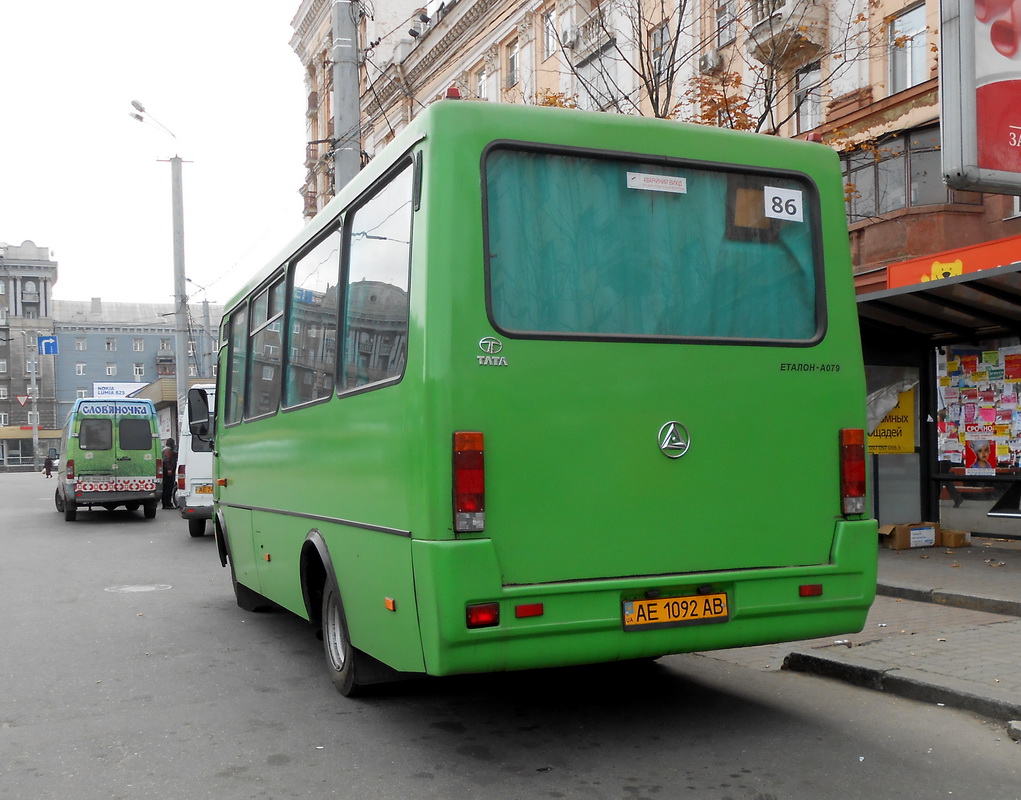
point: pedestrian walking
(48, 465)
(169, 472)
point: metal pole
(346, 129)
(180, 298)
(33, 361)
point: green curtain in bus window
(95, 434)
(134, 434)
(584, 246)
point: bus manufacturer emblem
(673, 439)
(490, 345)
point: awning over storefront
(963, 308)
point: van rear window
(134, 434)
(599, 247)
(95, 434)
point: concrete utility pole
(32, 351)
(347, 149)
(180, 297)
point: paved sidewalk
(945, 628)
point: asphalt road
(127, 671)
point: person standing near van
(169, 473)
(49, 466)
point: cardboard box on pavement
(952, 538)
(915, 534)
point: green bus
(543, 387)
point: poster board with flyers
(979, 420)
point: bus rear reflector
(482, 615)
(469, 482)
(852, 470)
(528, 610)
(810, 590)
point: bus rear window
(591, 247)
(95, 434)
(134, 434)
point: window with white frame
(138, 345)
(79, 344)
(81, 394)
(111, 344)
(3, 365)
(31, 365)
(79, 369)
(659, 50)
(33, 417)
(511, 55)
(3, 392)
(808, 97)
(3, 418)
(111, 369)
(481, 90)
(549, 33)
(907, 49)
(138, 370)
(726, 22)
(165, 344)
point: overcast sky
(81, 177)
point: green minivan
(110, 456)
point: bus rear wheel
(70, 510)
(342, 658)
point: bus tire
(58, 501)
(342, 658)
(70, 511)
(197, 527)
(149, 509)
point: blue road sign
(48, 346)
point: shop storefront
(942, 349)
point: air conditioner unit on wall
(569, 37)
(710, 61)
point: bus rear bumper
(583, 621)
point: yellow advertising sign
(896, 433)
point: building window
(3, 365)
(81, 394)
(33, 417)
(31, 365)
(512, 54)
(808, 98)
(659, 50)
(726, 22)
(111, 369)
(3, 392)
(79, 369)
(138, 345)
(907, 50)
(898, 172)
(481, 87)
(3, 418)
(79, 344)
(111, 344)
(138, 370)
(549, 33)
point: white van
(195, 472)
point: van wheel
(132, 506)
(58, 500)
(342, 658)
(149, 509)
(197, 527)
(70, 511)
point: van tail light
(159, 469)
(469, 482)
(180, 477)
(852, 470)
(70, 469)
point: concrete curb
(971, 602)
(908, 683)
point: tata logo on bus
(491, 346)
(673, 439)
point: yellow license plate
(205, 488)
(667, 612)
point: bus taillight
(469, 482)
(159, 470)
(852, 470)
(180, 477)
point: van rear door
(134, 446)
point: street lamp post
(33, 392)
(180, 297)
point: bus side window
(312, 317)
(375, 333)
(265, 342)
(237, 375)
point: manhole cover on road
(152, 587)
